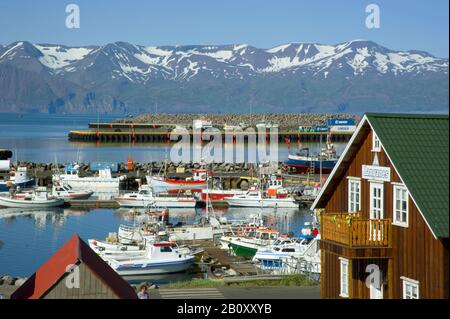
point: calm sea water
(28, 239)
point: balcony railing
(350, 230)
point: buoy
(130, 163)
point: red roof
(74, 251)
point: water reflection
(31, 236)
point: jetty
(158, 128)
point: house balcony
(356, 237)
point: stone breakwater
(232, 175)
(154, 167)
(284, 120)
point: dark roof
(418, 146)
(74, 251)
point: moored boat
(248, 246)
(255, 198)
(159, 258)
(103, 181)
(323, 162)
(196, 183)
(38, 198)
(145, 197)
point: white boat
(247, 246)
(38, 198)
(103, 181)
(159, 258)
(254, 198)
(67, 192)
(145, 197)
(218, 195)
(196, 183)
(207, 229)
(290, 256)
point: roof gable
(74, 251)
(418, 148)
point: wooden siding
(91, 287)
(415, 254)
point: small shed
(75, 271)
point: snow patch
(56, 57)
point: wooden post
(390, 277)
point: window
(165, 249)
(354, 195)
(400, 205)
(410, 288)
(376, 145)
(344, 277)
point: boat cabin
(266, 234)
(200, 174)
(384, 211)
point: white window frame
(350, 201)
(412, 283)
(343, 264)
(397, 222)
(376, 144)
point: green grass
(291, 280)
(196, 283)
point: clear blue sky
(405, 24)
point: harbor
(210, 226)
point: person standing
(143, 294)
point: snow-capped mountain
(122, 77)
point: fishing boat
(37, 198)
(17, 179)
(103, 181)
(66, 192)
(303, 162)
(218, 195)
(256, 198)
(248, 246)
(196, 183)
(290, 256)
(145, 197)
(159, 258)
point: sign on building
(376, 173)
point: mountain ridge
(120, 77)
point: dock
(150, 135)
(92, 203)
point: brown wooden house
(384, 211)
(75, 271)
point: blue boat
(302, 162)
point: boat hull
(243, 251)
(3, 187)
(303, 166)
(91, 183)
(139, 203)
(261, 203)
(159, 184)
(18, 203)
(154, 268)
